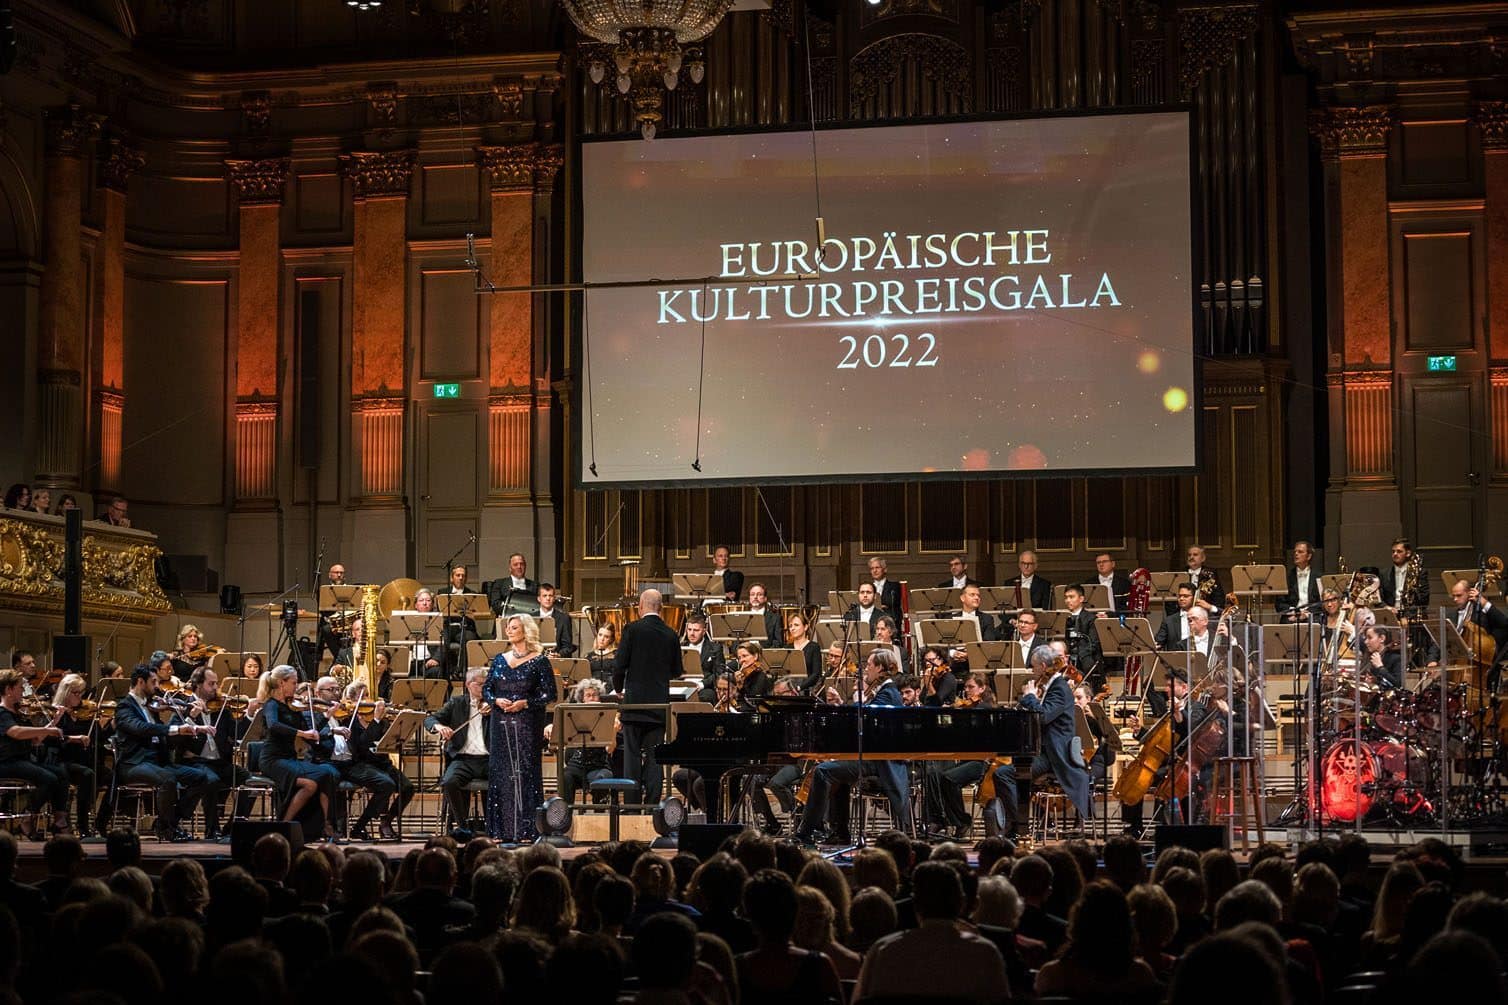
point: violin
(364, 710)
(236, 704)
(89, 710)
(965, 702)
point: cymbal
(398, 596)
(277, 609)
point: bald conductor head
(650, 602)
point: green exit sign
(454, 390)
(1442, 364)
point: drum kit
(1381, 749)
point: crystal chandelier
(650, 40)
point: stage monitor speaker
(1200, 837)
(703, 840)
(70, 654)
(307, 417)
(244, 834)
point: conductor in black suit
(648, 659)
(733, 582)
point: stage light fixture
(668, 818)
(553, 821)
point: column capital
(258, 182)
(373, 174)
(519, 167)
(68, 127)
(1345, 133)
(1491, 117)
(118, 162)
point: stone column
(1363, 500)
(379, 258)
(258, 188)
(1491, 118)
(60, 344)
(118, 162)
(519, 516)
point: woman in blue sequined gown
(520, 683)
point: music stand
(696, 585)
(546, 632)
(1285, 643)
(1455, 650)
(736, 627)
(837, 630)
(1051, 624)
(1007, 683)
(989, 656)
(1259, 581)
(691, 662)
(954, 633)
(423, 693)
(414, 626)
(115, 688)
(343, 597)
(938, 600)
(1096, 596)
(1165, 586)
(1340, 582)
(481, 652)
(1124, 637)
(583, 726)
(229, 664)
(784, 662)
(574, 669)
(842, 600)
(463, 605)
(232, 686)
(999, 598)
(406, 724)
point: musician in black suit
(1474, 609)
(968, 601)
(1113, 579)
(462, 726)
(213, 752)
(1033, 590)
(648, 659)
(868, 608)
(1173, 630)
(774, 632)
(880, 670)
(1301, 602)
(708, 653)
(733, 582)
(1208, 593)
(374, 770)
(1050, 693)
(457, 631)
(1082, 638)
(142, 754)
(504, 590)
(565, 644)
(1394, 578)
(958, 575)
(886, 590)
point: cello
(1484, 648)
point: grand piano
(713, 743)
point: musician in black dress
(74, 750)
(752, 677)
(299, 782)
(798, 631)
(584, 765)
(49, 784)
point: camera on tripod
(290, 616)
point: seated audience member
(775, 970)
(1099, 958)
(975, 970)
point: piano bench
(616, 791)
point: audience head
(876, 867)
(544, 904)
(997, 903)
(1251, 900)
(588, 968)
(769, 900)
(1153, 917)
(871, 916)
(1239, 967)
(664, 950)
(936, 892)
(271, 858)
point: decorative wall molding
(117, 163)
(517, 167)
(258, 182)
(1207, 38)
(69, 127)
(1491, 118)
(377, 174)
(1353, 132)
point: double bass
(1484, 648)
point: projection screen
(987, 297)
